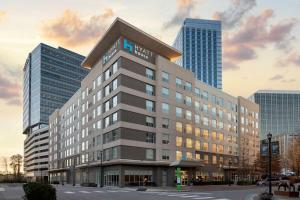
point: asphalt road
(15, 192)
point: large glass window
(115, 101)
(178, 97)
(189, 143)
(149, 121)
(149, 89)
(115, 117)
(165, 108)
(178, 141)
(150, 105)
(150, 154)
(165, 138)
(106, 90)
(115, 67)
(165, 92)
(179, 127)
(165, 77)
(178, 112)
(106, 122)
(115, 84)
(150, 73)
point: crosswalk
(2, 189)
(196, 196)
(94, 191)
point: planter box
(287, 193)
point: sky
(260, 41)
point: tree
(262, 164)
(15, 164)
(5, 164)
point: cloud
(227, 65)
(255, 33)
(276, 77)
(10, 91)
(2, 15)
(288, 81)
(291, 59)
(70, 30)
(184, 10)
(235, 13)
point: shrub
(88, 184)
(39, 191)
(55, 182)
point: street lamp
(229, 164)
(269, 136)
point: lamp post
(101, 177)
(270, 163)
(229, 164)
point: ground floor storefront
(139, 175)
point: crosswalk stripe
(2, 189)
(85, 192)
(99, 191)
(69, 192)
(222, 199)
(203, 198)
(191, 196)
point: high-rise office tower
(200, 42)
(279, 111)
(51, 77)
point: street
(67, 192)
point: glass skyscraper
(200, 42)
(279, 112)
(51, 77)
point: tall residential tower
(200, 42)
(51, 77)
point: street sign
(275, 148)
(264, 148)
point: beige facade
(138, 115)
(249, 142)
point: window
(205, 108)
(99, 95)
(179, 127)
(205, 121)
(189, 143)
(178, 112)
(178, 155)
(214, 135)
(178, 141)
(99, 124)
(188, 86)
(115, 117)
(150, 105)
(214, 159)
(188, 128)
(98, 110)
(214, 123)
(149, 121)
(99, 79)
(115, 67)
(150, 154)
(165, 138)
(197, 145)
(106, 122)
(149, 89)
(106, 106)
(197, 92)
(178, 97)
(165, 154)
(189, 155)
(214, 111)
(150, 137)
(205, 133)
(220, 148)
(188, 101)
(165, 108)
(83, 95)
(214, 148)
(197, 156)
(165, 123)
(188, 115)
(197, 132)
(205, 146)
(149, 73)
(197, 106)
(106, 74)
(114, 153)
(165, 77)
(205, 95)
(115, 101)
(165, 92)
(205, 158)
(115, 84)
(178, 82)
(106, 90)
(197, 119)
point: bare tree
(5, 165)
(15, 164)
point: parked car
(265, 182)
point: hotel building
(138, 115)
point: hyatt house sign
(131, 47)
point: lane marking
(203, 198)
(2, 190)
(99, 191)
(85, 192)
(222, 199)
(191, 196)
(69, 192)
(112, 191)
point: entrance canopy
(187, 163)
